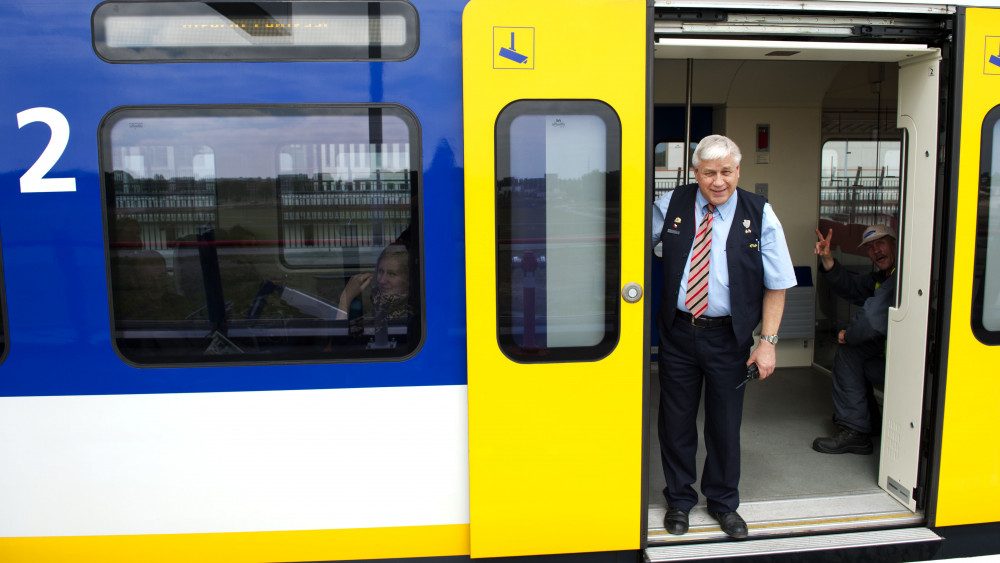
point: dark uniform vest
(746, 266)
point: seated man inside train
(390, 293)
(859, 363)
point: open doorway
(833, 158)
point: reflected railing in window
(225, 233)
(342, 196)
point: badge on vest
(746, 225)
(674, 231)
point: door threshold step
(798, 516)
(777, 546)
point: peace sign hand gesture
(823, 249)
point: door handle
(632, 292)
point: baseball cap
(876, 232)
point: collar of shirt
(725, 210)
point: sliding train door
(555, 113)
(902, 410)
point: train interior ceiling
(830, 155)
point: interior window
(558, 203)
(668, 166)
(860, 185)
(262, 234)
(986, 276)
(860, 181)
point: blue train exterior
(68, 367)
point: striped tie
(697, 288)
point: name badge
(673, 232)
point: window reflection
(342, 196)
(558, 199)
(235, 234)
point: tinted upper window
(262, 234)
(254, 31)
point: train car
(305, 280)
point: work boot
(845, 441)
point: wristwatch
(772, 338)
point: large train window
(262, 234)
(184, 31)
(986, 276)
(558, 202)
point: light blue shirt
(778, 270)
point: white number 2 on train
(34, 179)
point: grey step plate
(839, 513)
(771, 546)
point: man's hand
(764, 354)
(823, 249)
(765, 358)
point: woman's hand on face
(356, 285)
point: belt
(703, 321)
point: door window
(986, 276)
(558, 194)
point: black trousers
(856, 370)
(688, 358)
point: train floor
(785, 486)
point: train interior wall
(805, 104)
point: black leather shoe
(845, 441)
(676, 521)
(732, 524)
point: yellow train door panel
(969, 479)
(556, 260)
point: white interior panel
(904, 374)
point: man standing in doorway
(859, 364)
(725, 268)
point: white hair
(716, 147)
